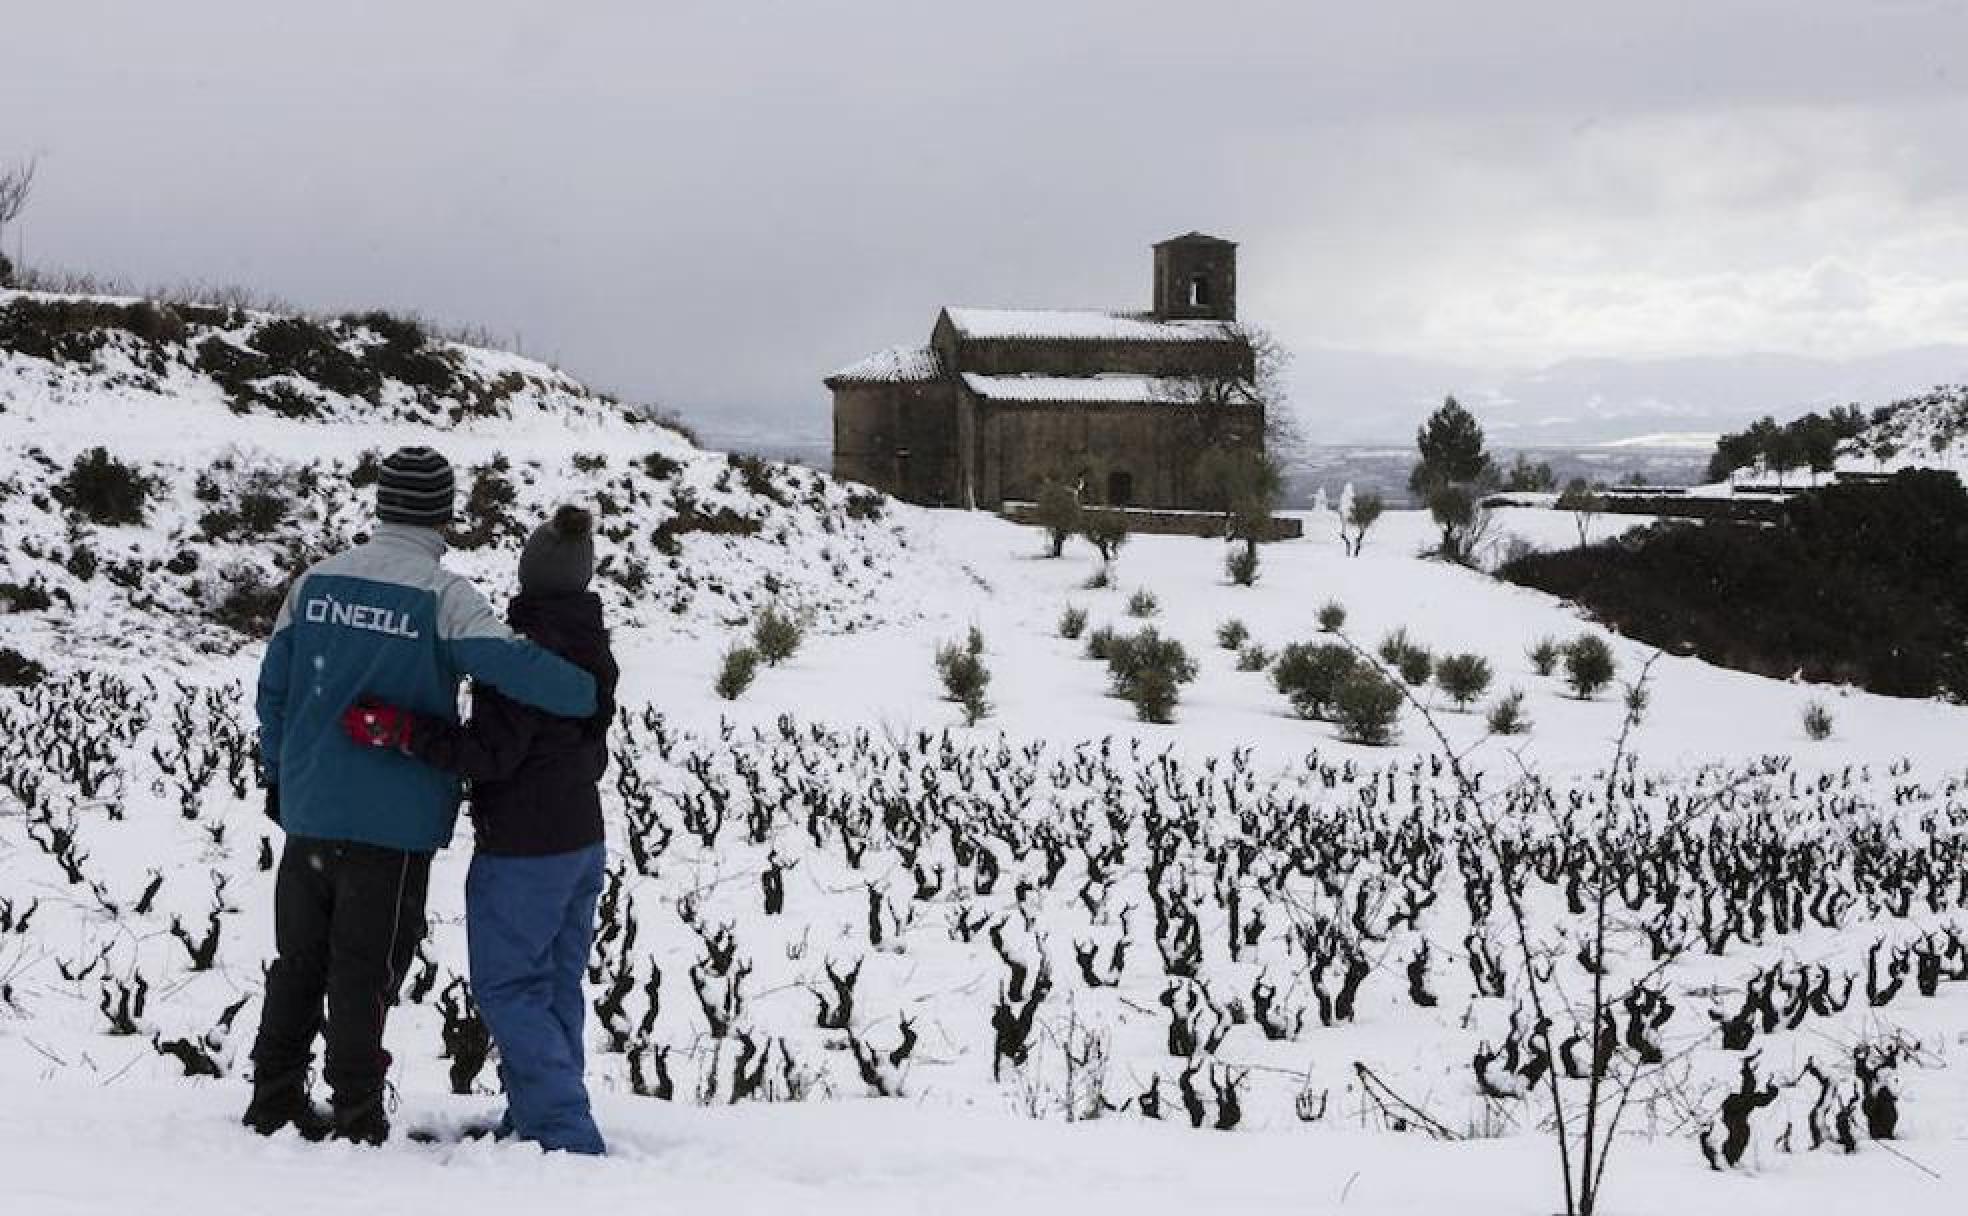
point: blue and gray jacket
(386, 620)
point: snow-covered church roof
(1082, 325)
(897, 364)
(1085, 390)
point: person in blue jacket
(384, 618)
(536, 814)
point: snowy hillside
(250, 443)
(857, 956)
(1929, 431)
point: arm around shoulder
(481, 645)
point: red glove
(376, 725)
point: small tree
(1407, 657)
(1817, 722)
(1524, 477)
(1589, 665)
(1462, 519)
(1507, 716)
(1358, 520)
(16, 187)
(1106, 531)
(1464, 677)
(1450, 444)
(1231, 634)
(1143, 603)
(1149, 670)
(1253, 657)
(1544, 655)
(965, 679)
(1240, 565)
(1246, 483)
(736, 672)
(1058, 512)
(1332, 616)
(1072, 622)
(1583, 500)
(1309, 676)
(1366, 705)
(776, 635)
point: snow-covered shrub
(1149, 670)
(1464, 677)
(1309, 674)
(1100, 644)
(1408, 657)
(1332, 616)
(1231, 634)
(1589, 665)
(1544, 655)
(1099, 580)
(965, 678)
(1253, 657)
(73, 330)
(1507, 716)
(658, 467)
(1072, 622)
(1143, 604)
(1817, 722)
(758, 477)
(19, 671)
(104, 490)
(244, 599)
(487, 513)
(736, 672)
(776, 634)
(1366, 705)
(1240, 565)
(31, 597)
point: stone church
(1119, 403)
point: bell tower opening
(1196, 279)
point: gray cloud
(715, 203)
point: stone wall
(900, 438)
(1166, 523)
(1154, 446)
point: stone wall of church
(1137, 455)
(900, 438)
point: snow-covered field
(1091, 932)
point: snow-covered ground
(939, 861)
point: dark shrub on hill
(73, 330)
(296, 346)
(1861, 584)
(19, 671)
(104, 490)
(407, 354)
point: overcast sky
(715, 204)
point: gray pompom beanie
(559, 557)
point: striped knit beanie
(415, 487)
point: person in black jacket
(536, 813)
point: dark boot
(283, 1102)
(363, 1120)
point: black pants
(346, 922)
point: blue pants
(530, 923)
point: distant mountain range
(1352, 397)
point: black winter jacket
(533, 776)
